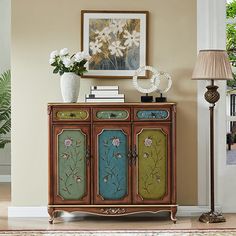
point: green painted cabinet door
(71, 164)
(151, 182)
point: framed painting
(116, 42)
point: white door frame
(211, 31)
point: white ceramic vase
(70, 85)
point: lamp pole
(212, 164)
(212, 96)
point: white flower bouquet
(63, 62)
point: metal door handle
(135, 155)
(87, 155)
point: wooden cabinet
(112, 159)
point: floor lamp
(212, 65)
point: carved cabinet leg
(53, 214)
(173, 214)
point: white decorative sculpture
(163, 76)
(155, 80)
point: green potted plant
(5, 108)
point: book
(104, 92)
(115, 87)
(104, 100)
(116, 96)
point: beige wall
(38, 27)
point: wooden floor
(101, 223)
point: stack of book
(105, 94)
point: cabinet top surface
(112, 104)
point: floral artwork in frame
(116, 42)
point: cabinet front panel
(73, 114)
(112, 165)
(71, 165)
(152, 183)
(151, 114)
(111, 114)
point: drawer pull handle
(72, 115)
(113, 115)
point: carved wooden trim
(113, 211)
(49, 110)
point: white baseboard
(27, 212)
(42, 211)
(191, 210)
(5, 178)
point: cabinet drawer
(111, 114)
(152, 114)
(71, 114)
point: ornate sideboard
(112, 159)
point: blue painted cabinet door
(112, 164)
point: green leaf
(54, 64)
(56, 70)
(5, 106)
(3, 142)
(231, 9)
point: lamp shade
(212, 65)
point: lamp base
(212, 217)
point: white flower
(148, 142)
(117, 25)
(116, 48)
(68, 142)
(67, 62)
(51, 61)
(86, 55)
(80, 56)
(64, 52)
(131, 39)
(95, 47)
(115, 142)
(145, 155)
(103, 35)
(53, 54)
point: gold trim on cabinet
(122, 214)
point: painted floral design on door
(112, 164)
(152, 163)
(71, 164)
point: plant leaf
(5, 106)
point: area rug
(219, 232)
